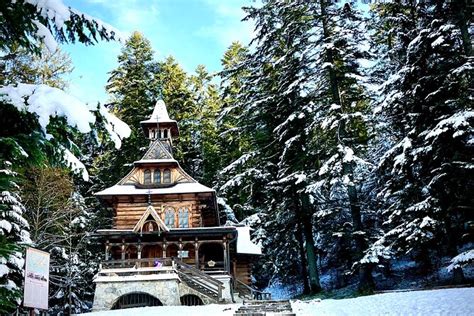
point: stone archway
(191, 300)
(108, 292)
(136, 299)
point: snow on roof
(160, 114)
(130, 189)
(143, 161)
(245, 244)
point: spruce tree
(425, 176)
(133, 92)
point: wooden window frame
(155, 171)
(165, 171)
(145, 172)
(167, 209)
(180, 211)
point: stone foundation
(168, 291)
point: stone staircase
(265, 308)
(244, 292)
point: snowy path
(458, 301)
(432, 303)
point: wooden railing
(124, 272)
(136, 263)
(199, 280)
(246, 291)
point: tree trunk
(366, 281)
(458, 276)
(462, 12)
(309, 245)
(304, 270)
(334, 86)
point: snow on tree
(13, 234)
(39, 121)
(29, 23)
(427, 104)
(464, 258)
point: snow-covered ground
(434, 302)
(205, 310)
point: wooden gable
(157, 151)
(150, 212)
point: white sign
(183, 254)
(36, 279)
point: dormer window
(157, 176)
(167, 176)
(147, 177)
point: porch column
(165, 245)
(196, 253)
(180, 248)
(224, 245)
(139, 254)
(228, 256)
(123, 252)
(107, 249)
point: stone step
(265, 308)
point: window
(147, 176)
(167, 176)
(183, 218)
(165, 133)
(169, 217)
(157, 176)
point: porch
(206, 249)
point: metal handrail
(254, 293)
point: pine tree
(208, 104)
(47, 68)
(175, 89)
(425, 176)
(342, 132)
(133, 92)
(28, 25)
(32, 133)
(233, 134)
(278, 108)
(13, 236)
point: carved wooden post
(196, 253)
(139, 254)
(180, 248)
(224, 245)
(228, 256)
(165, 245)
(107, 249)
(123, 252)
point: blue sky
(193, 31)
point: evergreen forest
(344, 137)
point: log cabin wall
(128, 210)
(128, 214)
(242, 269)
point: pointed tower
(167, 245)
(160, 126)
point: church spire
(159, 125)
